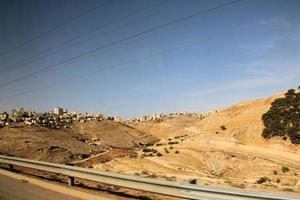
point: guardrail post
(71, 181)
(11, 167)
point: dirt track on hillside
(199, 141)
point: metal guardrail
(188, 191)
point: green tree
(283, 118)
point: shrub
(284, 169)
(133, 155)
(171, 147)
(177, 152)
(146, 150)
(223, 127)
(150, 150)
(159, 154)
(262, 180)
(274, 172)
(175, 142)
(149, 144)
(282, 119)
(278, 180)
(166, 150)
(193, 181)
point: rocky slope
(235, 155)
(64, 145)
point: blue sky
(203, 76)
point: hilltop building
(60, 111)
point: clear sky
(203, 76)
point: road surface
(13, 189)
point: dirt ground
(70, 144)
(235, 157)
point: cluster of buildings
(56, 119)
(61, 118)
(161, 117)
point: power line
(214, 37)
(41, 55)
(88, 53)
(54, 28)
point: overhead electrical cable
(56, 48)
(193, 43)
(55, 28)
(89, 53)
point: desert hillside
(225, 148)
(41, 143)
(242, 122)
(113, 134)
(169, 127)
(64, 145)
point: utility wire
(56, 48)
(88, 53)
(54, 28)
(214, 37)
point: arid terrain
(237, 156)
(225, 148)
(67, 145)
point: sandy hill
(66, 145)
(168, 127)
(41, 143)
(236, 157)
(114, 134)
(242, 121)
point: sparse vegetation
(282, 119)
(166, 150)
(193, 181)
(175, 142)
(262, 180)
(285, 169)
(149, 150)
(133, 155)
(149, 144)
(144, 198)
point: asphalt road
(13, 189)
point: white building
(59, 111)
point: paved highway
(13, 189)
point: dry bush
(216, 164)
